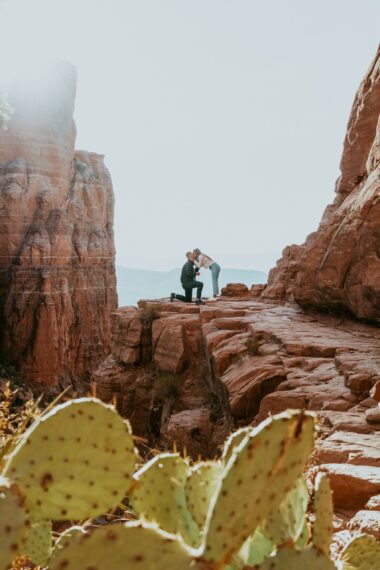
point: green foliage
(248, 510)
(131, 545)
(292, 559)
(201, 485)
(159, 496)
(166, 386)
(233, 441)
(362, 553)
(13, 526)
(75, 462)
(39, 542)
(259, 474)
(323, 509)
(287, 523)
(149, 313)
(65, 539)
(253, 345)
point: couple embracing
(196, 260)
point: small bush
(149, 314)
(253, 345)
(167, 386)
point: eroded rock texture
(190, 375)
(57, 276)
(338, 267)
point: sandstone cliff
(57, 276)
(338, 267)
(189, 375)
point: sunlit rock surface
(234, 362)
(338, 267)
(57, 276)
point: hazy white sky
(222, 121)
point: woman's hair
(197, 252)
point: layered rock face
(190, 375)
(57, 275)
(338, 267)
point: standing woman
(203, 260)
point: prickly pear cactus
(13, 526)
(323, 510)
(233, 441)
(287, 522)
(125, 546)
(292, 559)
(200, 487)
(65, 539)
(74, 462)
(304, 538)
(159, 496)
(261, 471)
(256, 548)
(39, 542)
(362, 553)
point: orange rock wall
(57, 275)
(338, 267)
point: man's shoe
(172, 297)
(199, 302)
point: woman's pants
(215, 270)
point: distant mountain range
(136, 284)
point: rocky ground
(191, 374)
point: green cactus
(323, 510)
(13, 525)
(200, 487)
(292, 559)
(39, 542)
(65, 539)
(287, 522)
(75, 462)
(159, 496)
(134, 545)
(362, 553)
(256, 548)
(233, 441)
(304, 538)
(259, 473)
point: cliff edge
(338, 267)
(57, 273)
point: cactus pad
(13, 527)
(233, 441)
(362, 553)
(291, 559)
(159, 496)
(323, 510)
(200, 487)
(65, 539)
(74, 462)
(287, 522)
(39, 542)
(256, 548)
(133, 545)
(260, 472)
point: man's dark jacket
(188, 273)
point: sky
(221, 121)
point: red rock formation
(57, 277)
(191, 374)
(338, 267)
